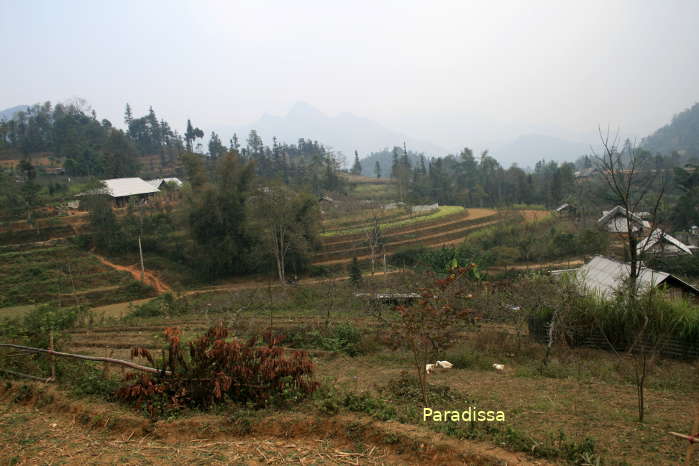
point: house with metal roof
(122, 190)
(615, 221)
(661, 243)
(604, 276)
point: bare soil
(148, 276)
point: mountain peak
(9, 113)
(303, 109)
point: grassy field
(375, 191)
(579, 410)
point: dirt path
(533, 215)
(538, 266)
(119, 309)
(250, 285)
(149, 277)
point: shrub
(40, 321)
(365, 403)
(87, 379)
(355, 273)
(164, 305)
(406, 388)
(215, 370)
(342, 338)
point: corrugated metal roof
(122, 187)
(604, 276)
(608, 215)
(158, 181)
(659, 235)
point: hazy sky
(455, 73)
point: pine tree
(357, 167)
(395, 163)
(128, 116)
(377, 169)
(191, 134)
(355, 273)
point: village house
(124, 190)
(661, 243)
(615, 221)
(604, 276)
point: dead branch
(120, 362)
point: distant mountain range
(344, 132)
(8, 113)
(528, 149)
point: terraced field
(431, 232)
(390, 220)
(58, 271)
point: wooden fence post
(694, 433)
(53, 359)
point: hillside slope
(681, 135)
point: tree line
(473, 181)
(72, 133)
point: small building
(393, 205)
(615, 221)
(604, 276)
(423, 209)
(661, 243)
(161, 182)
(123, 190)
(565, 209)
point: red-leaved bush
(215, 369)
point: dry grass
(62, 431)
(29, 438)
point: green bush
(365, 403)
(406, 388)
(343, 337)
(87, 379)
(164, 305)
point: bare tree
(633, 185)
(430, 325)
(374, 239)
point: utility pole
(140, 249)
(140, 253)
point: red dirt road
(149, 277)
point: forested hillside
(384, 158)
(71, 136)
(681, 135)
